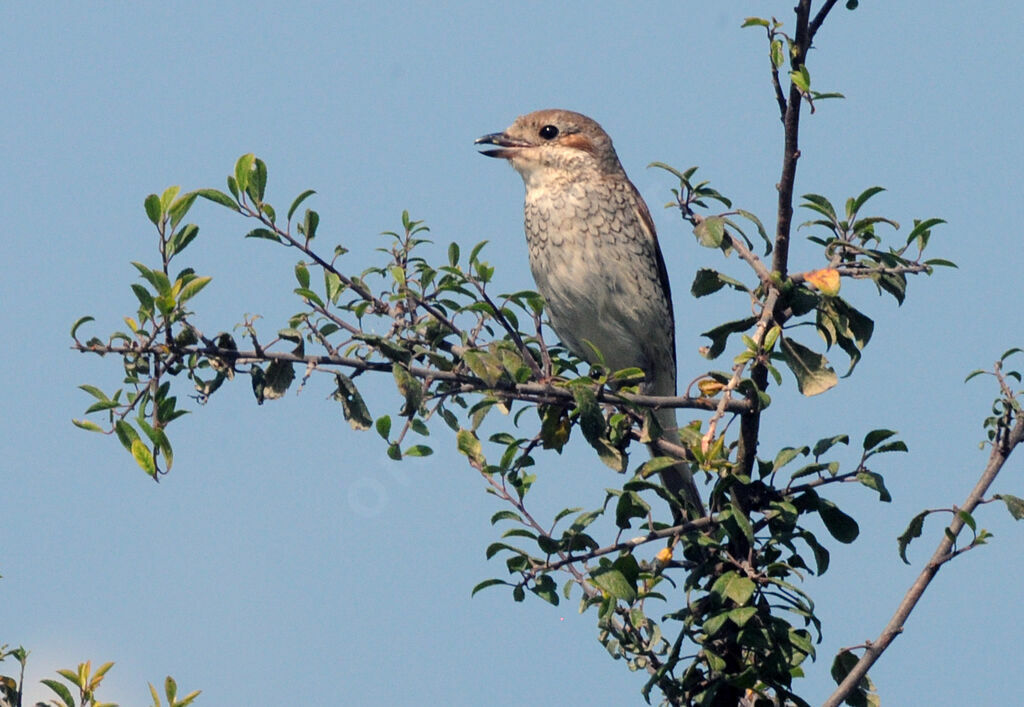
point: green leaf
(739, 589)
(278, 379)
(410, 388)
(353, 407)
(1014, 505)
(821, 555)
(826, 443)
(298, 200)
(79, 322)
(875, 437)
(754, 21)
(630, 505)
(153, 210)
(310, 295)
(875, 481)
(813, 374)
(506, 515)
(383, 426)
(921, 230)
(897, 446)
(801, 78)
(302, 275)
(102, 405)
(193, 287)
(155, 277)
(786, 455)
(740, 521)
(488, 583)
(841, 526)
(94, 391)
(180, 240)
(968, 520)
(741, 615)
(913, 530)
(484, 365)
(332, 285)
(595, 429)
(545, 588)
(61, 690)
(309, 224)
(750, 216)
(777, 52)
(894, 284)
(167, 198)
(126, 434)
(710, 232)
(257, 185)
(720, 335)
(708, 281)
(87, 425)
(684, 177)
(838, 322)
(712, 626)
(264, 233)
(863, 694)
(179, 208)
(218, 197)
(592, 422)
(611, 580)
(243, 169)
(816, 202)
(854, 205)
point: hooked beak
(508, 145)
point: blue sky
(285, 559)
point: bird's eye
(549, 132)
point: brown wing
(644, 217)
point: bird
(595, 258)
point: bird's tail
(678, 478)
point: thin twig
(676, 530)
(767, 313)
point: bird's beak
(508, 145)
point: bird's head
(554, 140)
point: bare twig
(805, 31)
(751, 258)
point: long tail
(677, 478)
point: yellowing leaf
(664, 555)
(709, 387)
(826, 280)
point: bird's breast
(597, 268)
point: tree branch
(533, 392)
(805, 31)
(1001, 450)
(699, 524)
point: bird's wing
(647, 223)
